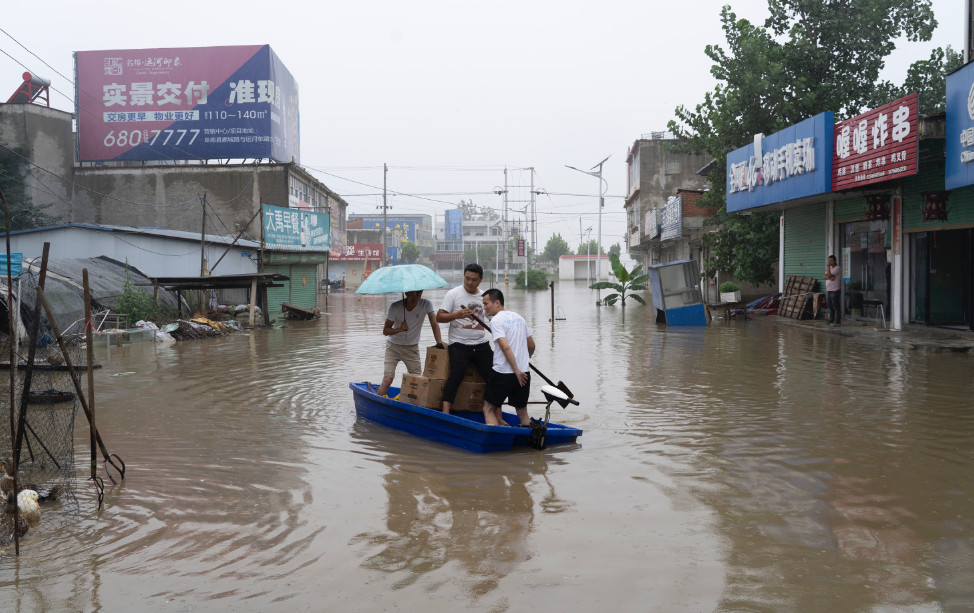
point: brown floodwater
(744, 466)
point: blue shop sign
(959, 167)
(793, 163)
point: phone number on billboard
(130, 138)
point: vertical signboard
(295, 230)
(876, 146)
(193, 103)
(959, 167)
(651, 227)
(454, 228)
(793, 163)
(671, 224)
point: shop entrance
(867, 293)
(942, 278)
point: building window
(673, 167)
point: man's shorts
(505, 386)
(407, 354)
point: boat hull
(465, 430)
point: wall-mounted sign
(876, 146)
(191, 103)
(959, 168)
(357, 252)
(651, 227)
(793, 163)
(295, 230)
(671, 220)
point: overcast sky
(446, 93)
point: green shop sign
(295, 229)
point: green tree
(409, 252)
(555, 248)
(928, 78)
(809, 56)
(590, 248)
(616, 249)
(472, 212)
(629, 281)
(23, 212)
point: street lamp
(502, 191)
(598, 262)
(588, 256)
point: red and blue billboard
(194, 103)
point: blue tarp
(16, 260)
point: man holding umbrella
(405, 318)
(467, 341)
(403, 326)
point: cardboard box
(437, 363)
(470, 397)
(422, 391)
(472, 374)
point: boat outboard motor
(539, 428)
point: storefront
(296, 244)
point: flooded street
(745, 466)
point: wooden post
(253, 299)
(89, 341)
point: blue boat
(465, 430)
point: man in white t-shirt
(403, 326)
(468, 343)
(510, 380)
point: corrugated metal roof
(161, 232)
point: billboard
(959, 168)
(876, 146)
(295, 230)
(793, 163)
(194, 103)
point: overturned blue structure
(675, 287)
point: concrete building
(482, 239)
(197, 197)
(656, 172)
(399, 228)
(583, 268)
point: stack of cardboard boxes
(426, 390)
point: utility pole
(507, 230)
(385, 227)
(203, 238)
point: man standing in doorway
(510, 380)
(833, 273)
(467, 341)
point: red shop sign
(877, 146)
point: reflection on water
(743, 466)
(471, 514)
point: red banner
(357, 253)
(877, 146)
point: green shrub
(134, 302)
(728, 287)
(537, 279)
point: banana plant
(629, 281)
